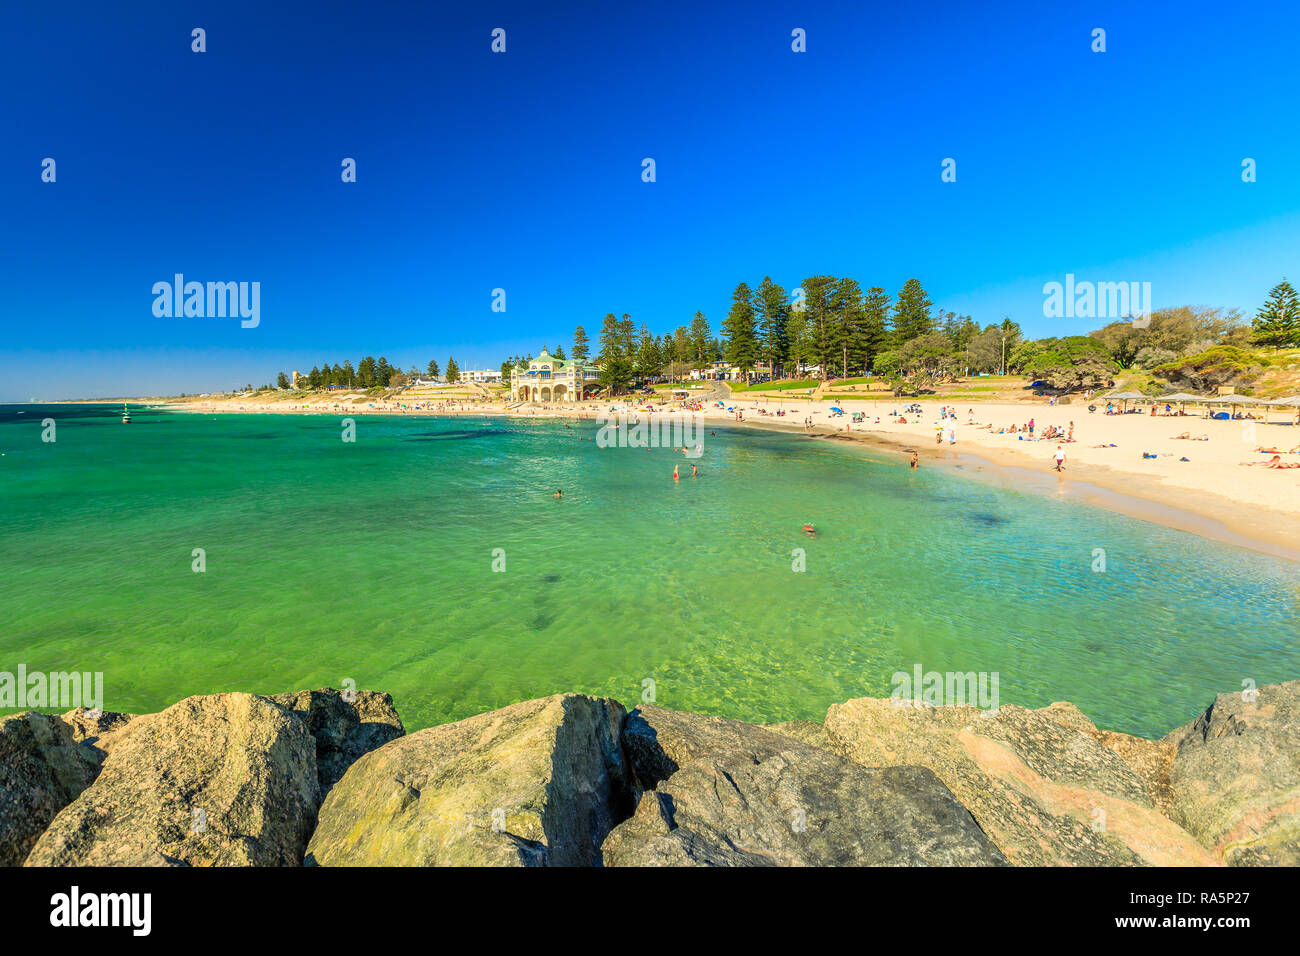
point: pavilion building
(549, 379)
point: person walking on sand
(1060, 458)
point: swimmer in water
(558, 493)
(674, 472)
(915, 460)
(810, 531)
(694, 471)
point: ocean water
(373, 562)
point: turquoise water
(373, 561)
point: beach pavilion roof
(1233, 400)
(1181, 397)
(1292, 400)
(1124, 395)
(556, 364)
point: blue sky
(522, 170)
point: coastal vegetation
(832, 328)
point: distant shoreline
(1225, 514)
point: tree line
(369, 372)
(827, 325)
(831, 327)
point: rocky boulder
(535, 784)
(343, 728)
(1236, 776)
(96, 729)
(1151, 760)
(42, 769)
(724, 793)
(225, 780)
(1046, 793)
(809, 731)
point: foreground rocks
(539, 783)
(328, 778)
(343, 726)
(1235, 778)
(724, 793)
(1151, 760)
(1046, 793)
(223, 780)
(42, 770)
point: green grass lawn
(774, 386)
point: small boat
(126, 415)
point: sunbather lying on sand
(1274, 462)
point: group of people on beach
(1276, 461)
(1030, 430)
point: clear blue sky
(523, 170)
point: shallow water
(373, 561)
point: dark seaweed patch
(460, 435)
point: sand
(1211, 493)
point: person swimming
(675, 476)
(810, 531)
(558, 493)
